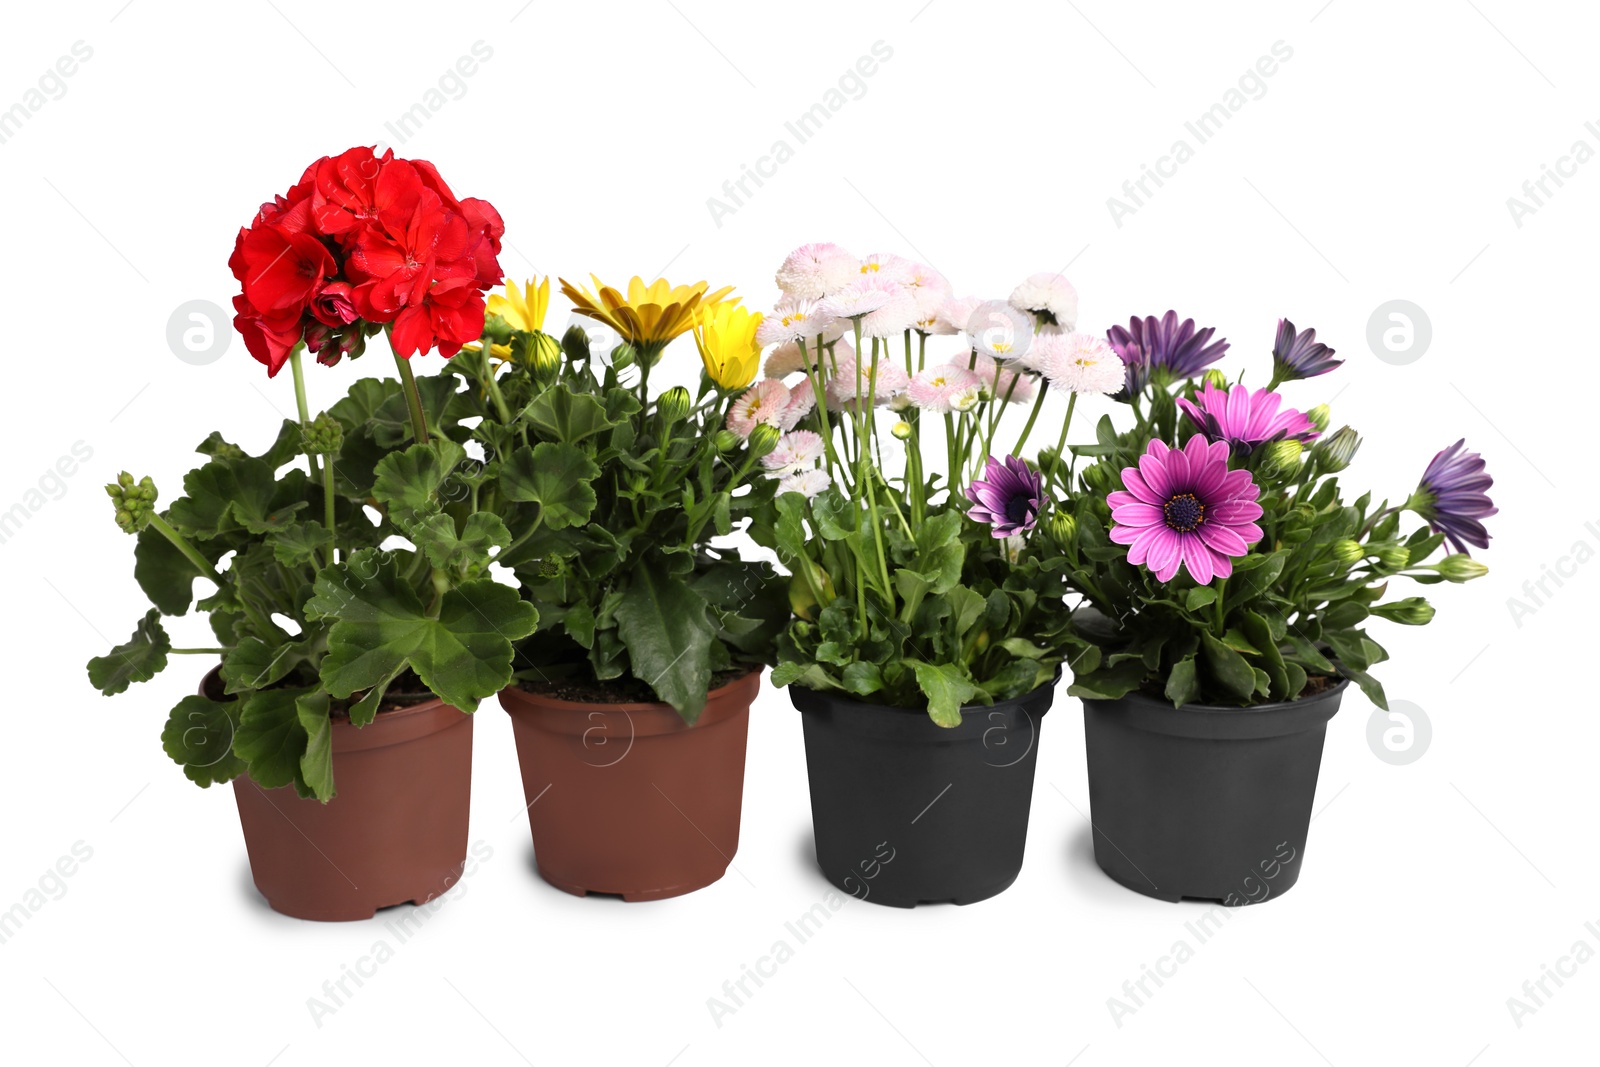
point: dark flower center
(1184, 513)
(1017, 510)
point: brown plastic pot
(624, 798)
(395, 832)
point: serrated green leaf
(271, 738)
(437, 538)
(556, 476)
(562, 415)
(139, 659)
(299, 543)
(164, 573)
(255, 664)
(947, 691)
(409, 482)
(199, 736)
(667, 630)
(316, 765)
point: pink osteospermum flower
(1245, 419)
(765, 401)
(796, 451)
(1185, 508)
(814, 271)
(944, 388)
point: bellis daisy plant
(919, 581)
(1210, 548)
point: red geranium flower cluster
(361, 241)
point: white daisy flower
(999, 331)
(1081, 363)
(813, 271)
(809, 482)
(1050, 299)
(796, 451)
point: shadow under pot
(627, 799)
(1203, 802)
(906, 812)
(395, 831)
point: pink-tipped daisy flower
(791, 318)
(1245, 419)
(796, 451)
(953, 315)
(1000, 331)
(842, 387)
(813, 271)
(1050, 299)
(765, 401)
(1076, 362)
(808, 482)
(1000, 380)
(1186, 508)
(889, 267)
(944, 388)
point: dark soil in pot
(1204, 802)
(906, 812)
(624, 798)
(394, 833)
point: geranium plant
(1213, 543)
(313, 617)
(918, 583)
(613, 493)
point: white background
(1376, 166)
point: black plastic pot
(906, 812)
(1204, 802)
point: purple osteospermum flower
(1185, 507)
(1451, 497)
(1162, 348)
(1296, 356)
(1007, 497)
(1244, 419)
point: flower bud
(638, 482)
(322, 437)
(1348, 551)
(1063, 528)
(352, 343)
(1334, 453)
(134, 501)
(1214, 378)
(1320, 417)
(1282, 457)
(1394, 558)
(726, 440)
(623, 356)
(1460, 568)
(1412, 611)
(674, 405)
(575, 342)
(545, 357)
(901, 430)
(763, 439)
(496, 330)
(1096, 479)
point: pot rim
(896, 724)
(550, 703)
(1215, 722)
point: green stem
(327, 510)
(197, 651)
(300, 399)
(1061, 442)
(182, 545)
(1033, 416)
(419, 422)
(491, 384)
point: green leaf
(1369, 685)
(299, 543)
(1108, 683)
(1183, 687)
(436, 537)
(556, 476)
(226, 494)
(254, 664)
(1308, 652)
(139, 659)
(199, 738)
(271, 738)
(668, 632)
(409, 482)
(462, 655)
(316, 766)
(1200, 596)
(1024, 649)
(862, 679)
(947, 691)
(164, 573)
(1260, 633)
(567, 417)
(1229, 668)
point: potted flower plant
(337, 710)
(1227, 584)
(631, 707)
(923, 591)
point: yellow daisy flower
(650, 315)
(726, 336)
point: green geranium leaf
(667, 630)
(947, 691)
(567, 417)
(139, 659)
(164, 573)
(199, 738)
(462, 655)
(227, 494)
(255, 664)
(316, 766)
(299, 543)
(556, 476)
(437, 538)
(272, 739)
(409, 482)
